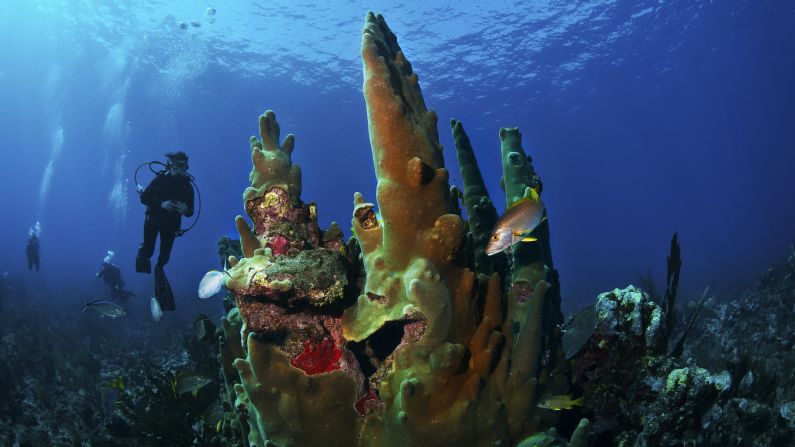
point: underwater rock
(77, 381)
(637, 395)
(753, 334)
(746, 385)
(787, 411)
(711, 416)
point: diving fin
(163, 293)
(142, 263)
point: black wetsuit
(32, 251)
(166, 186)
(111, 274)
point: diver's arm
(151, 195)
(187, 199)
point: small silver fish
(211, 283)
(188, 382)
(522, 218)
(106, 308)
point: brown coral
(429, 353)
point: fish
(578, 330)
(116, 383)
(210, 11)
(520, 219)
(183, 25)
(106, 308)
(560, 402)
(211, 283)
(188, 382)
(154, 307)
(195, 24)
(214, 415)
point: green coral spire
(532, 262)
(272, 162)
(480, 210)
(528, 258)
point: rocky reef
(407, 334)
(71, 378)
(410, 334)
(732, 386)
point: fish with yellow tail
(515, 225)
(560, 402)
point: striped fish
(516, 224)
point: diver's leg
(167, 237)
(165, 297)
(147, 247)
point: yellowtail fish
(189, 382)
(522, 218)
(560, 402)
(117, 384)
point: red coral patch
(278, 245)
(523, 291)
(367, 403)
(318, 359)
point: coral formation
(70, 379)
(480, 211)
(411, 335)
(636, 394)
(397, 338)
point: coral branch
(480, 211)
(674, 264)
(418, 235)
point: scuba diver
(111, 275)
(32, 247)
(168, 197)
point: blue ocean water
(643, 118)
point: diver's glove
(181, 207)
(139, 189)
